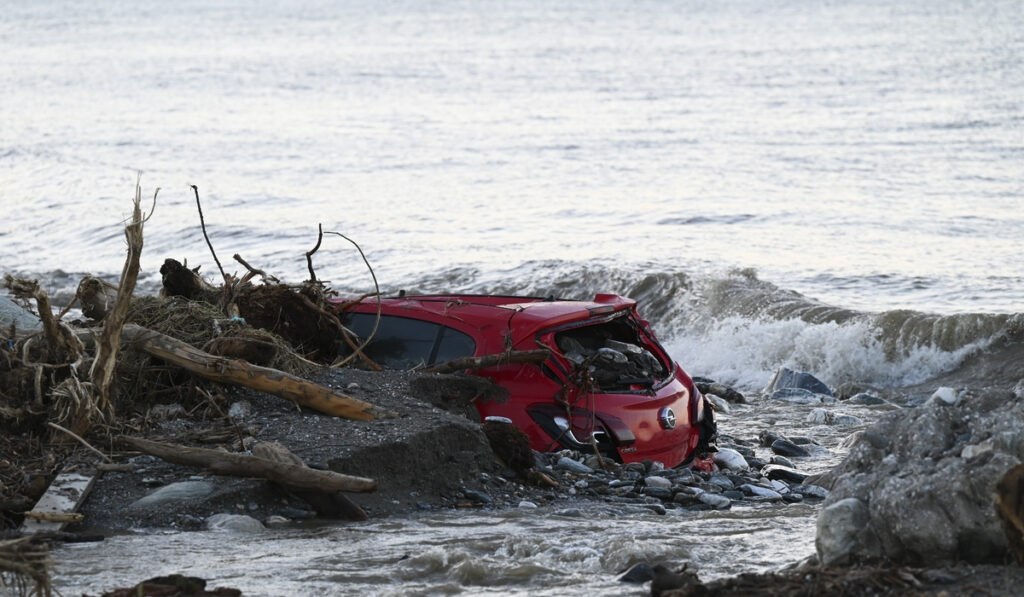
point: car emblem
(667, 418)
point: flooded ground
(577, 544)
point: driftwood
(103, 368)
(244, 465)
(491, 360)
(264, 379)
(334, 504)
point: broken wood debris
(244, 465)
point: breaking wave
(739, 329)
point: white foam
(745, 353)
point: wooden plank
(61, 500)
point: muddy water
(579, 547)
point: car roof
(477, 310)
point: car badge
(667, 418)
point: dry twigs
(24, 567)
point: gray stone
(784, 447)
(659, 482)
(12, 313)
(785, 473)
(839, 527)
(813, 491)
(759, 491)
(175, 492)
(782, 461)
(527, 505)
(240, 410)
(568, 464)
(658, 492)
(238, 523)
(926, 479)
(721, 404)
(638, 574)
(787, 378)
(716, 501)
(867, 399)
(798, 396)
(730, 459)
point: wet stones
(785, 447)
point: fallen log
(491, 360)
(333, 504)
(238, 372)
(244, 465)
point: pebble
(568, 464)
(527, 505)
(658, 492)
(784, 447)
(761, 491)
(477, 496)
(785, 473)
(814, 491)
(639, 573)
(658, 482)
(717, 501)
(731, 459)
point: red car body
(607, 381)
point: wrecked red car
(601, 377)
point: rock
(925, 502)
(847, 421)
(818, 416)
(477, 496)
(787, 378)
(240, 410)
(527, 505)
(843, 532)
(716, 501)
(666, 582)
(730, 459)
(721, 404)
(11, 313)
(943, 396)
(799, 396)
(721, 481)
(659, 482)
(275, 521)
(782, 461)
(784, 447)
(784, 473)
(759, 491)
(175, 492)
(568, 464)
(709, 386)
(658, 492)
(238, 523)
(867, 399)
(638, 573)
(975, 450)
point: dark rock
(510, 444)
(783, 473)
(639, 573)
(658, 492)
(784, 447)
(787, 378)
(477, 496)
(665, 580)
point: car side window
(404, 343)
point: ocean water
(832, 186)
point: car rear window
(617, 356)
(406, 343)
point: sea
(833, 186)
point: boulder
(11, 313)
(786, 378)
(925, 480)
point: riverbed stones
(568, 464)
